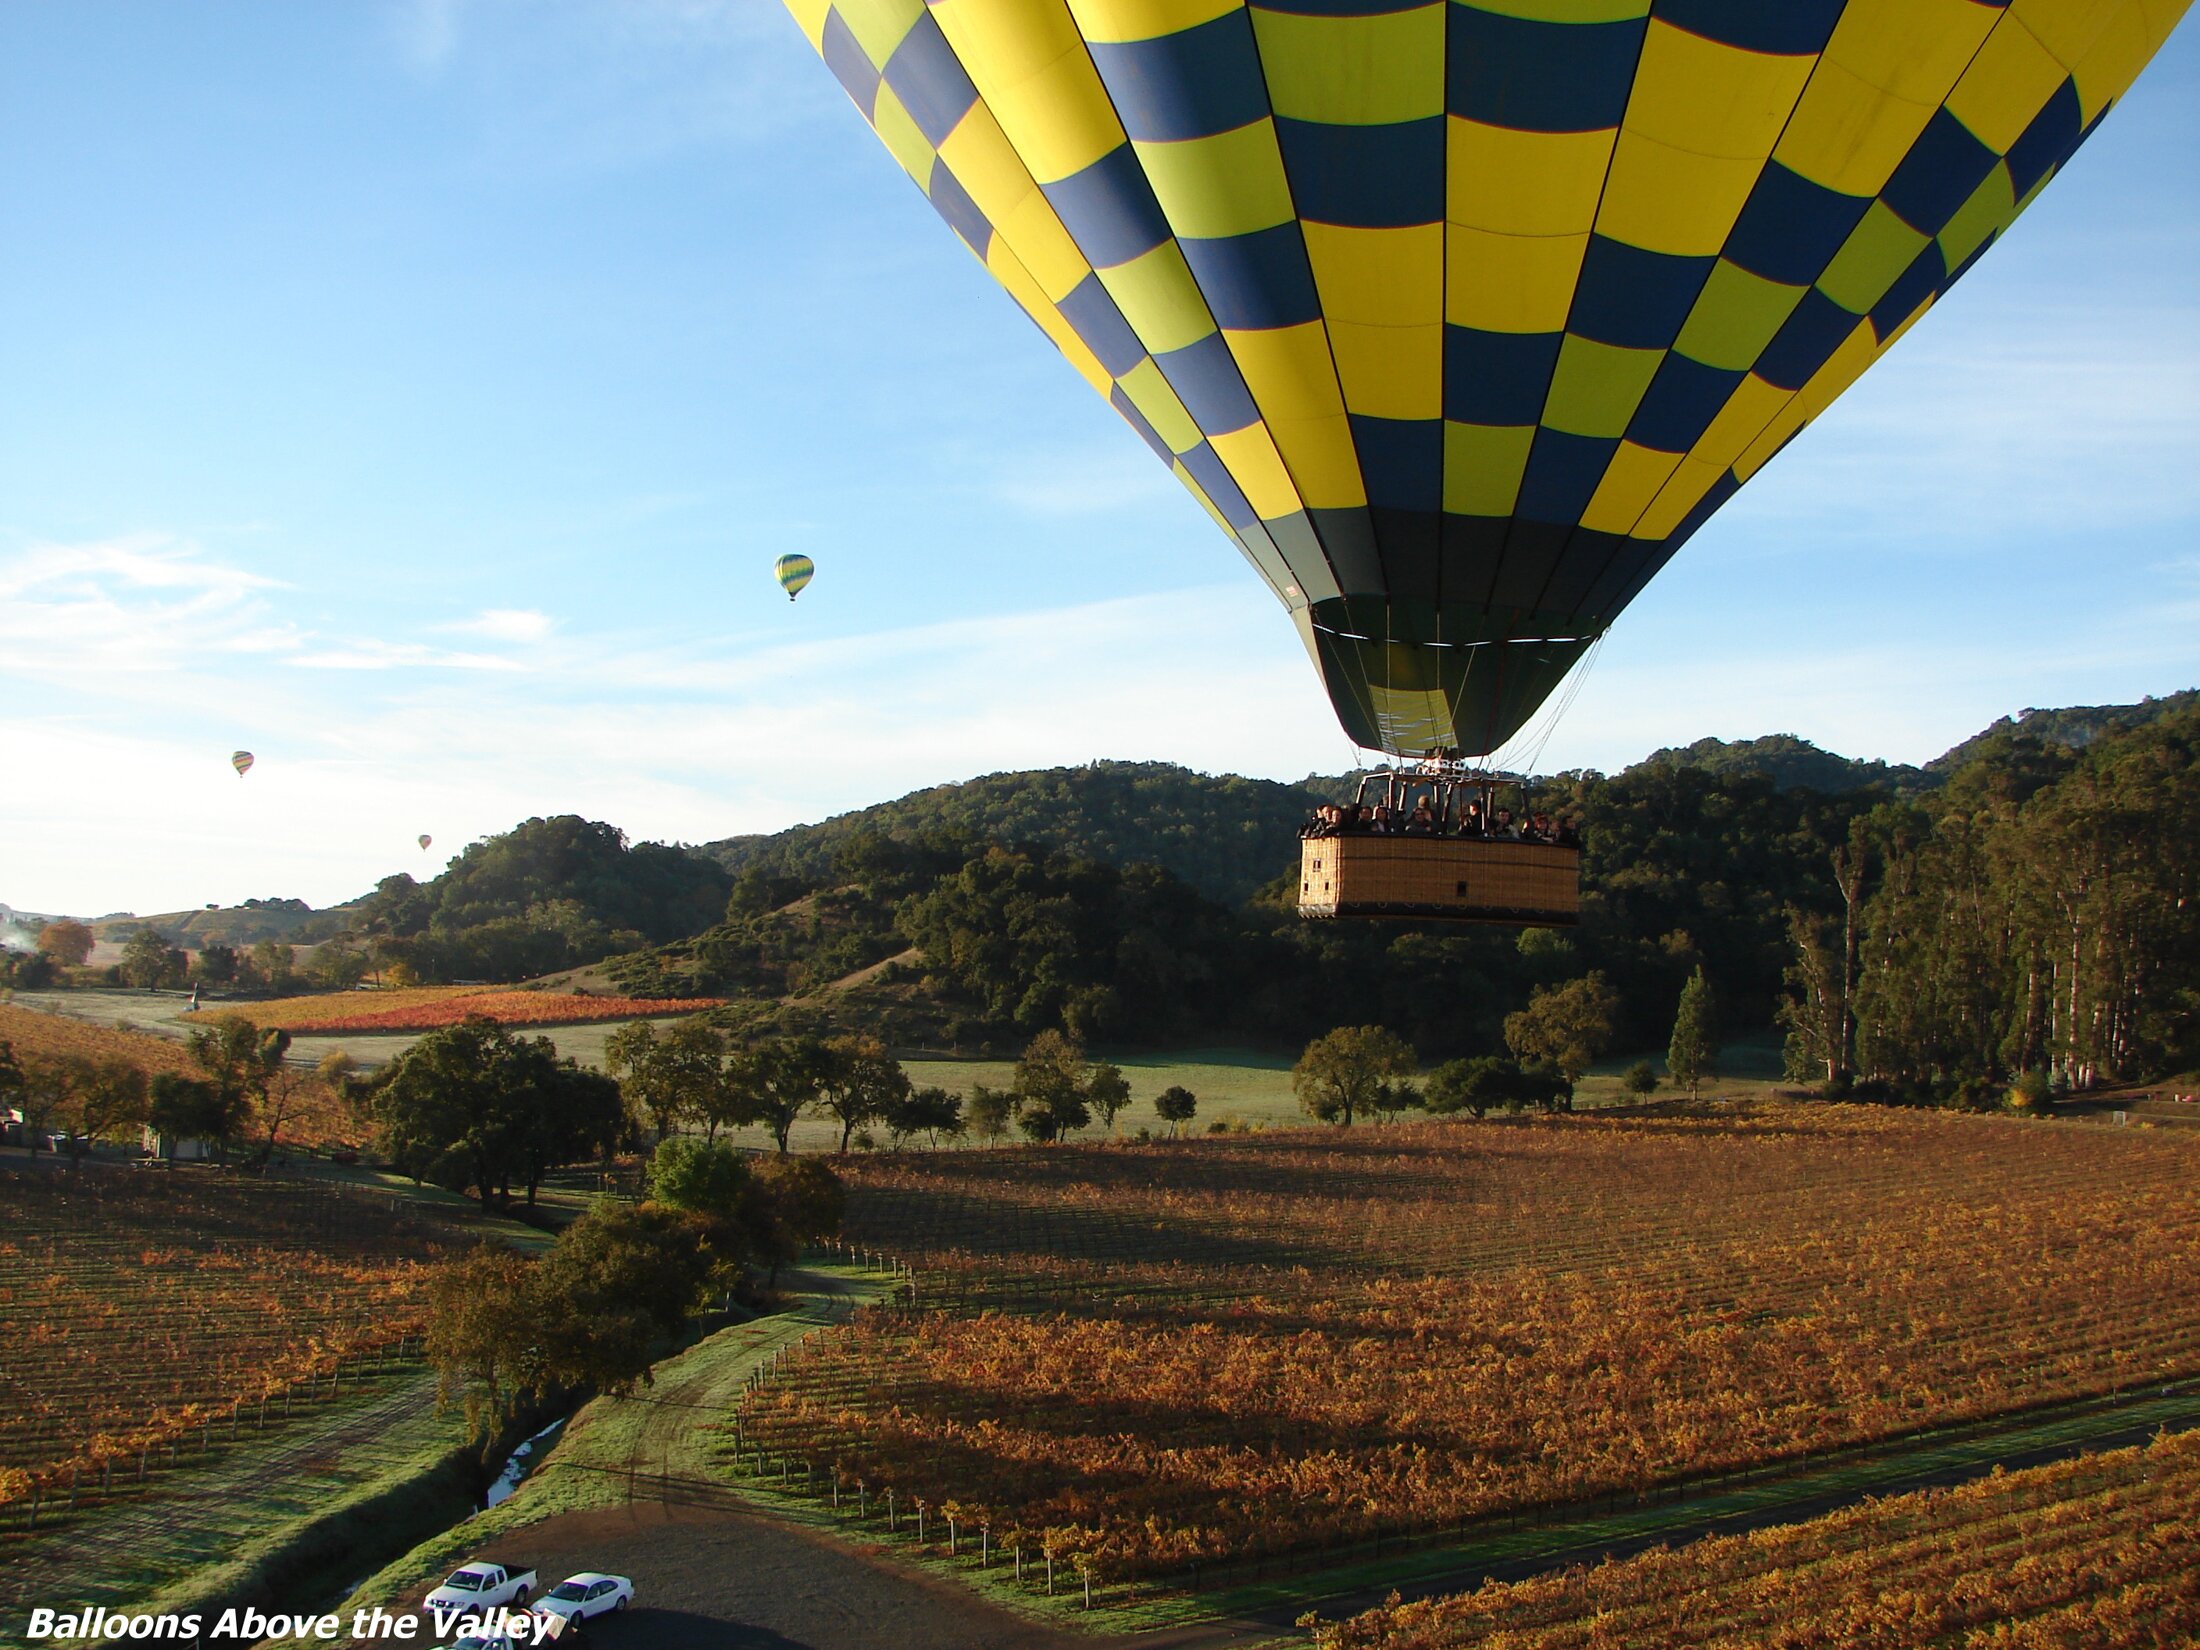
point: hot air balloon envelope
(794, 574)
(1460, 316)
(241, 761)
(424, 841)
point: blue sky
(417, 395)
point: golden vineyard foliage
(426, 1007)
(1168, 1355)
(2101, 1552)
(313, 1114)
(51, 1036)
(136, 1305)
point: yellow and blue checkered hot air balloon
(1460, 316)
(794, 574)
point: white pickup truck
(477, 1587)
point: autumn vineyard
(1156, 1358)
(150, 1312)
(424, 1008)
(2099, 1553)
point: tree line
(2036, 919)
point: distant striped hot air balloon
(425, 839)
(793, 573)
(241, 761)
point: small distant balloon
(425, 839)
(241, 761)
(793, 573)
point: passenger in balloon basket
(1422, 821)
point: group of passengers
(1497, 824)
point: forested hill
(1790, 762)
(2074, 726)
(1225, 836)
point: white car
(478, 1586)
(590, 1593)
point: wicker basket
(1532, 884)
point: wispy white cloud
(505, 624)
(369, 653)
(132, 604)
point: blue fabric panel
(1787, 28)
(1092, 315)
(1805, 342)
(1109, 209)
(928, 77)
(1497, 377)
(1190, 84)
(1790, 228)
(1256, 281)
(1680, 404)
(1539, 77)
(1563, 473)
(1938, 175)
(1206, 379)
(1373, 177)
(1401, 461)
(953, 203)
(849, 63)
(1634, 298)
(2047, 142)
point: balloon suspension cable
(1524, 751)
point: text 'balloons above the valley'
(1461, 317)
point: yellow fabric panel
(1044, 245)
(1771, 438)
(1151, 395)
(809, 17)
(899, 133)
(1847, 134)
(1749, 409)
(1911, 49)
(984, 162)
(2114, 62)
(1878, 249)
(1324, 463)
(1160, 300)
(2008, 83)
(1354, 71)
(1523, 183)
(1288, 371)
(1030, 66)
(1390, 372)
(1691, 479)
(1664, 199)
(1251, 458)
(1566, 11)
(1991, 207)
(1630, 486)
(1735, 316)
(1116, 20)
(1382, 294)
(1391, 277)
(2067, 28)
(1228, 184)
(1712, 99)
(1596, 388)
(1483, 464)
(1025, 288)
(879, 25)
(1157, 295)
(1510, 283)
